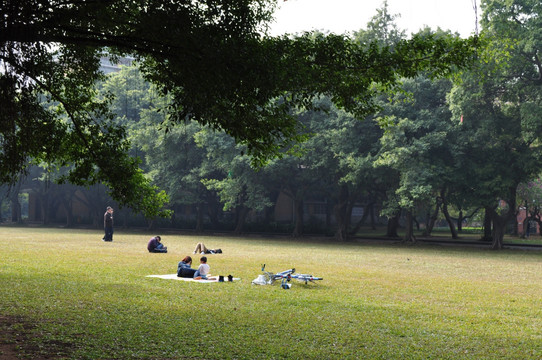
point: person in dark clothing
(155, 246)
(184, 268)
(108, 224)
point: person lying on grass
(202, 249)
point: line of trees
(213, 59)
(465, 144)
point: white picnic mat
(175, 277)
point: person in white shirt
(203, 269)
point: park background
(459, 156)
(442, 153)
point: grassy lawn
(77, 297)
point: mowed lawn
(77, 297)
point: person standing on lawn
(108, 224)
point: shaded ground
(18, 340)
(465, 240)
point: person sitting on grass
(202, 249)
(155, 246)
(203, 270)
(184, 268)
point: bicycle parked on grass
(268, 278)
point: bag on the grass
(261, 280)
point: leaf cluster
(209, 57)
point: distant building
(108, 67)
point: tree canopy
(500, 101)
(211, 57)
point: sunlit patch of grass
(385, 301)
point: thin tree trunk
(449, 220)
(487, 225)
(432, 220)
(366, 213)
(15, 208)
(373, 220)
(69, 210)
(499, 227)
(525, 225)
(298, 221)
(340, 210)
(340, 234)
(241, 217)
(393, 225)
(212, 211)
(409, 231)
(199, 218)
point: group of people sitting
(184, 269)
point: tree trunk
(45, 208)
(499, 227)
(199, 218)
(487, 225)
(409, 231)
(69, 218)
(340, 234)
(66, 203)
(15, 208)
(241, 217)
(449, 220)
(393, 225)
(539, 223)
(432, 220)
(500, 221)
(460, 221)
(213, 210)
(340, 210)
(366, 213)
(525, 226)
(299, 215)
(373, 220)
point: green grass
(377, 301)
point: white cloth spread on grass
(175, 277)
